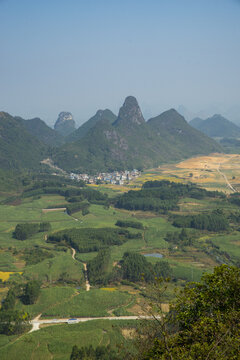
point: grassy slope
(56, 342)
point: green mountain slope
(216, 126)
(42, 131)
(18, 148)
(131, 142)
(181, 140)
(100, 115)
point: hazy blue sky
(79, 56)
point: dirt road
(73, 253)
(225, 178)
(86, 277)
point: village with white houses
(115, 178)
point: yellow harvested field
(211, 172)
(4, 275)
(108, 289)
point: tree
(9, 301)
(204, 323)
(162, 269)
(31, 292)
(13, 322)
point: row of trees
(170, 190)
(135, 268)
(78, 206)
(92, 239)
(25, 230)
(89, 353)
(213, 221)
(161, 196)
(129, 223)
(98, 266)
(179, 238)
(35, 255)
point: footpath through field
(85, 270)
(225, 178)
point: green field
(56, 342)
(63, 293)
(71, 302)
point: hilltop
(89, 124)
(65, 123)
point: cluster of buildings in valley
(115, 178)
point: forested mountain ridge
(42, 131)
(216, 126)
(131, 142)
(85, 127)
(172, 128)
(18, 148)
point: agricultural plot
(56, 342)
(61, 272)
(205, 171)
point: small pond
(157, 255)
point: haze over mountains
(65, 123)
(216, 126)
(104, 142)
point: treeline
(25, 230)
(35, 255)
(134, 267)
(71, 194)
(145, 201)
(74, 195)
(183, 238)
(39, 182)
(91, 239)
(78, 206)
(89, 353)
(234, 199)
(180, 190)
(214, 221)
(98, 266)
(129, 223)
(161, 196)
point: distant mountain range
(216, 126)
(104, 142)
(129, 141)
